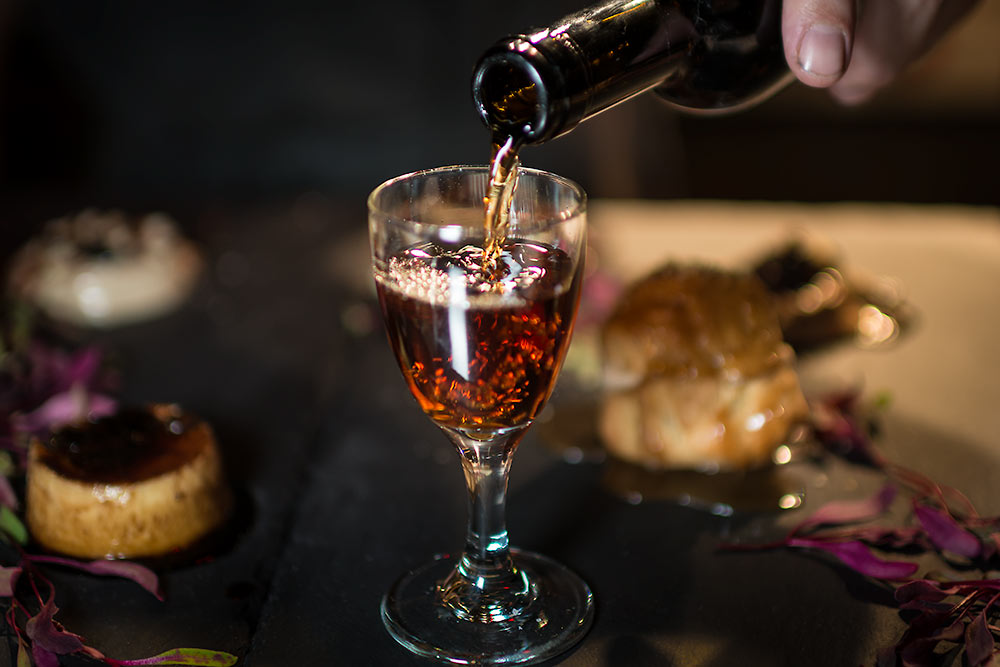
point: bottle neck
(540, 85)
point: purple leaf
(838, 427)
(923, 589)
(946, 533)
(184, 656)
(892, 538)
(850, 511)
(82, 367)
(54, 370)
(46, 633)
(8, 581)
(927, 596)
(927, 606)
(951, 633)
(43, 657)
(859, 558)
(919, 653)
(978, 640)
(928, 624)
(115, 568)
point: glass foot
(557, 618)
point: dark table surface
(347, 485)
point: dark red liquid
(480, 352)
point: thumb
(818, 36)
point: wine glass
(480, 341)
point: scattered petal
(951, 633)
(42, 656)
(44, 632)
(82, 367)
(70, 406)
(892, 538)
(919, 653)
(946, 533)
(851, 511)
(859, 558)
(978, 641)
(923, 589)
(140, 574)
(840, 428)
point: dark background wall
(153, 103)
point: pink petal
(850, 511)
(892, 538)
(115, 568)
(946, 533)
(859, 558)
(65, 408)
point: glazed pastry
(697, 374)
(144, 482)
(102, 270)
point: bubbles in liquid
(440, 275)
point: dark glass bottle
(700, 55)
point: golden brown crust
(702, 423)
(147, 516)
(697, 373)
(693, 321)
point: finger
(818, 36)
(890, 35)
(886, 38)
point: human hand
(855, 47)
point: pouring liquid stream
(503, 179)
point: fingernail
(822, 51)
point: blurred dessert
(144, 482)
(697, 374)
(102, 269)
(817, 305)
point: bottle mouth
(510, 93)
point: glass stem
(485, 585)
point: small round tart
(144, 482)
(101, 269)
